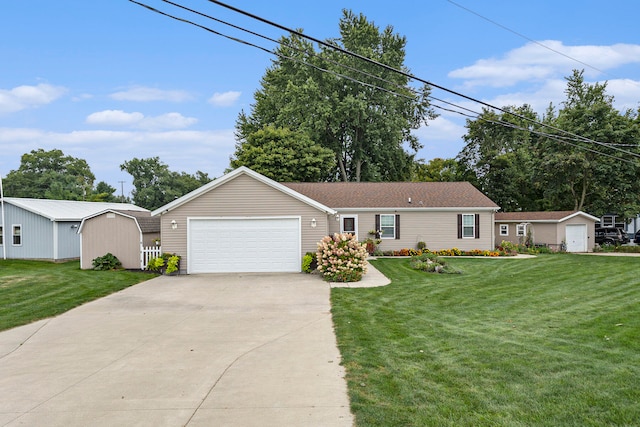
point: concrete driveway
(201, 350)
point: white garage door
(576, 237)
(225, 245)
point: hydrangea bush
(341, 258)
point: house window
(1, 236)
(468, 226)
(521, 230)
(17, 235)
(349, 224)
(389, 225)
(504, 229)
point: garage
(576, 237)
(247, 244)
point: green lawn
(34, 290)
(550, 341)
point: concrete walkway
(201, 350)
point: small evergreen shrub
(341, 258)
(106, 262)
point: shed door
(576, 237)
(230, 245)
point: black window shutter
(377, 226)
(459, 226)
(477, 226)
(397, 227)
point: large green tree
(155, 185)
(50, 175)
(499, 155)
(568, 159)
(590, 172)
(362, 112)
(284, 155)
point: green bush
(106, 262)
(155, 264)
(307, 259)
(166, 263)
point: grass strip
(34, 290)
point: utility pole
(121, 191)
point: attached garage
(243, 222)
(247, 244)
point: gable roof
(242, 170)
(67, 210)
(545, 216)
(146, 223)
(397, 195)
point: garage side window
(521, 230)
(17, 235)
(504, 229)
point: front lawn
(34, 290)
(550, 341)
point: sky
(108, 80)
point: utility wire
(525, 37)
(475, 115)
(411, 76)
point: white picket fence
(148, 252)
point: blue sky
(108, 80)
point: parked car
(637, 237)
(611, 236)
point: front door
(349, 224)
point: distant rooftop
(68, 210)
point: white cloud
(544, 60)
(115, 118)
(167, 121)
(23, 97)
(145, 94)
(138, 120)
(225, 99)
(105, 150)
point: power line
(525, 37)
(409, 75)
(476, 114)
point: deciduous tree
(365, 119)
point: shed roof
(542, 216)
(68, 210)
(405, 195)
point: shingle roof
(394, 194)
(67, 210)
(148, 223)
(536, 216)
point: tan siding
(439, 230)
(242, 196)
(552, 233)
(119, 236)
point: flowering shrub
(341, 258)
